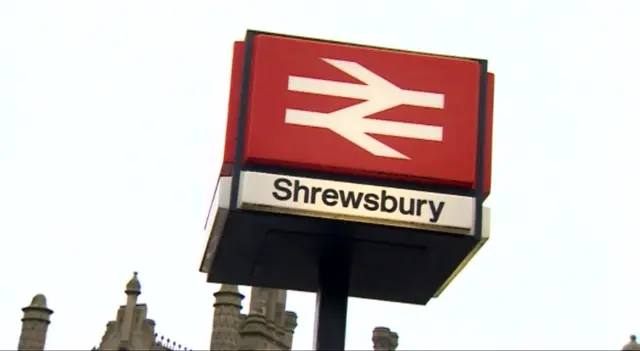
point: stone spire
(270, 315)
(35, 323)
(226, 318)
(255, 333)
(133, 286)
(384, 339)
(280, 305)
(258, 302)
(132, 290)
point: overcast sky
(111, 128)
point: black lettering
(371, 202)
(436, 211)
(282, 185)
(350, 199)
(330, 197)
(314, 193)
(420, 203)
(287, 190)
(296, 191)
(411, 208)
(384, 199)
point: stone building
(266, 326)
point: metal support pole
(332, 298)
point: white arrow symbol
(378, 94)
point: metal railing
(160, 340)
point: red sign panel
(360, 111)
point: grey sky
(111, 122)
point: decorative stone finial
(290, 320)
(228, 295)
(382, 339)
(133, 286)
(229, 288)
(37, 309)
(39, 301)
(394, 340)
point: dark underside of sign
(283, 251)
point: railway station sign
(389, 150)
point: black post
(333, 296)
